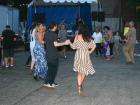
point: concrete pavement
(115, 83)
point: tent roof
(74, 1)
(48, 2)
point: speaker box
(94, 16)
(98, 16)
(39, 17)
(101, 16)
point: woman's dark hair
(79, 22)
(52, 25)
(107, 27)
(82, 29)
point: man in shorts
(8, 39)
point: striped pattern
(82, 62)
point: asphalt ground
(114, 83)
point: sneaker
(27, 66)
(129, 62)
(55, 84)
(35, 78)
(12, 65)
(48, 85)
(65, 57)
(6, 66)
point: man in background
(130, 43)
(8, 39)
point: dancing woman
(41, 67)
(84, 46)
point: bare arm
(58, 44)
(74, 44)
(76, 38)
(110, 35)
(92, 47)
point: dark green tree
(22, 6)
(134, 4)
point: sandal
(80, 92)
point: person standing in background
(97, 36)
(63, 22)
(62, 36)
(130, 43)
(110, 39)
(106, 49)
(117, 46)
(8, 39)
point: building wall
(3, 18)
(111, 18)
(117, 12)
(9, 16)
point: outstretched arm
(58, 44)
(74, 44)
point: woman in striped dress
(84, 46)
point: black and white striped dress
(82, 61)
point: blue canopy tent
(55, 10)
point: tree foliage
(21, 5)
(134, 2)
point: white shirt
(33, 35)
(97, 37)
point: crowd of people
(109, 44)
(44, 53)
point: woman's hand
(67, 42)
(58, 44)
(92, 48)
(1, 38)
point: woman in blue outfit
(41, 67)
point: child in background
(106, 49)
(117, 40)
